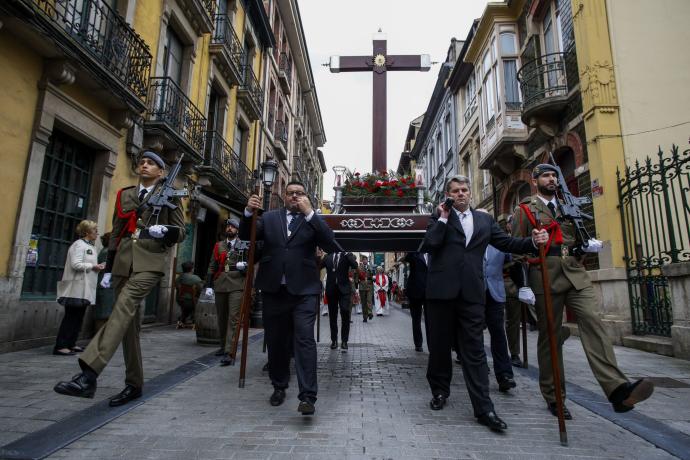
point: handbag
(73, 302)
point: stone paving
(373, 404)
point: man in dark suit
(456, 240)
(416, 293)
(338, 292)
(288, 278)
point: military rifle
(571, 208)
(164, 197)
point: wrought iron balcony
(175, 116)
(97, 35)
(227, 49)
(250, 95)
(545, 83)
(298, 168)
(280, 134)
(224, 164)
(285, 72)
(470, 110)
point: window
(488, 89)
(172, 57)
(509, 55)
(446, 132)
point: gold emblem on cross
(379, 60)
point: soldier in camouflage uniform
(226, 277)
(365, 284)
(571, 285)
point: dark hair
(187, 266)
(296, 182)
(105, 239)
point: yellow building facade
(87, 85)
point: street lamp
(338, 187)
(269, 170)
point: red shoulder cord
(220, 259)
(130, 216)
(554, 229)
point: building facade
(87, 85)
(292, 120)
(567, 78)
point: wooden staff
(245, 307)
(548, 307)
(523, 309)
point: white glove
(241, 266)
(105, 281)
(593, 246)
(209, 292)
(525, 295)
(157, 231)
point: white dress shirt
(467, 222)
(148, 190)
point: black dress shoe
(516, 361)
(492, 420)
(437, 402)
(227, 361)
(371, 316)
(265, 368)
(334, 345)
(553, 408)
(277, 397)
(219, 352)
(80, 386)
(365, 319)
(306, 408)
(343, 345)
(130, 393)
(628, 394)
(506, 383)
(418, 349)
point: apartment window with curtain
(510, 65)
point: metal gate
(62, 203)
(655, 215)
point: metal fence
(655, 215)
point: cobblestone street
(373, 403)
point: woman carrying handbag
(77, 290)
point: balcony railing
(250, 89)
(105, 36)
(281, 131)
(469, 111)
(285, 70)
(221, 157)
(224, 36)
(544, 78)
(167, 104)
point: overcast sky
(339, 27)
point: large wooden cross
(380, 63)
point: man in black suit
(288, 278)
(456, 240)
(415, 290)
(338, 292)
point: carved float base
(378, 232)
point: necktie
(142, 194)
(465, 223)
(336, 259)
(552, 208)
(293, 222)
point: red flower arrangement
(386, 184)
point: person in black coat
(288, 278)
(416, 293)
(338, 292)
(456, 240)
